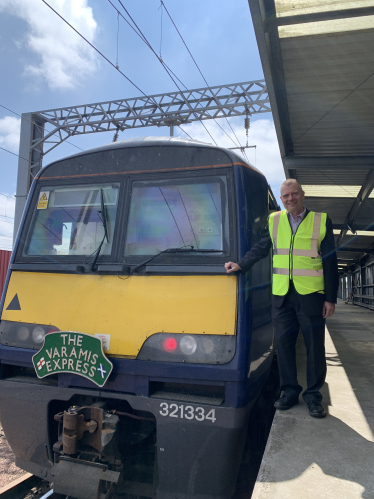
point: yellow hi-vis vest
(297, 256)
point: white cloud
(64, 59)
(9, 133)
(266, 157)
(6, 228)
(6, 243)
(7, 207)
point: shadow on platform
(331, 457)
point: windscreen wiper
(103, 213)
(182, 249)
(104, 222)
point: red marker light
(170, 344)
(52, 331)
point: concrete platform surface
(308, 458)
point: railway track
(27, 486)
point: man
(305, 285)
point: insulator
(115, 137)
(246, 123)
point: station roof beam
(319, 68)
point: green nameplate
(75, 353)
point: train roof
(156, 141)
(147, 141)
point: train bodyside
(191, 346)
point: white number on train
(187, 412)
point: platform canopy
(318, 62)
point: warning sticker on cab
(43, 200)
(74, 353)
(105, 338)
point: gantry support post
(29, 161)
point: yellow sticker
(43, 200)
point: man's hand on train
(232, 267)
(328, 309)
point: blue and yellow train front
(126, 244)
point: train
(130, 360)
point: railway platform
(332, 457)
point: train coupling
(86, 459)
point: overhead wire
(184, 131)
(123, 74)
(185, 44)
(7, 196)
(6, 205)
(14, 154)
(117, 65)
(166, 67)
(6, 216)
(215, 121)
(143, 37)
(161, 31)
(6, 221)
(93, 46)
(36, 124)
(96, 49)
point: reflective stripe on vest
(299, 272)
(296, 256)
(313, 252)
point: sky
(45, 65)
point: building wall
(4, 262)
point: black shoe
(285, 403)
(316, 409)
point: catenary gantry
(318, 63)
(42, 131)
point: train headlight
(38, 334)
(188, 345)
(192, 348)
(24, 335)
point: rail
(17, 489)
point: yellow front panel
(129, 309)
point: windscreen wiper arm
(103, 213)
(183, 249)
(104, 222)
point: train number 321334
(187, 412)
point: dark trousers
(288, 319)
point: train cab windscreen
(177, 213)
(69, 220)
